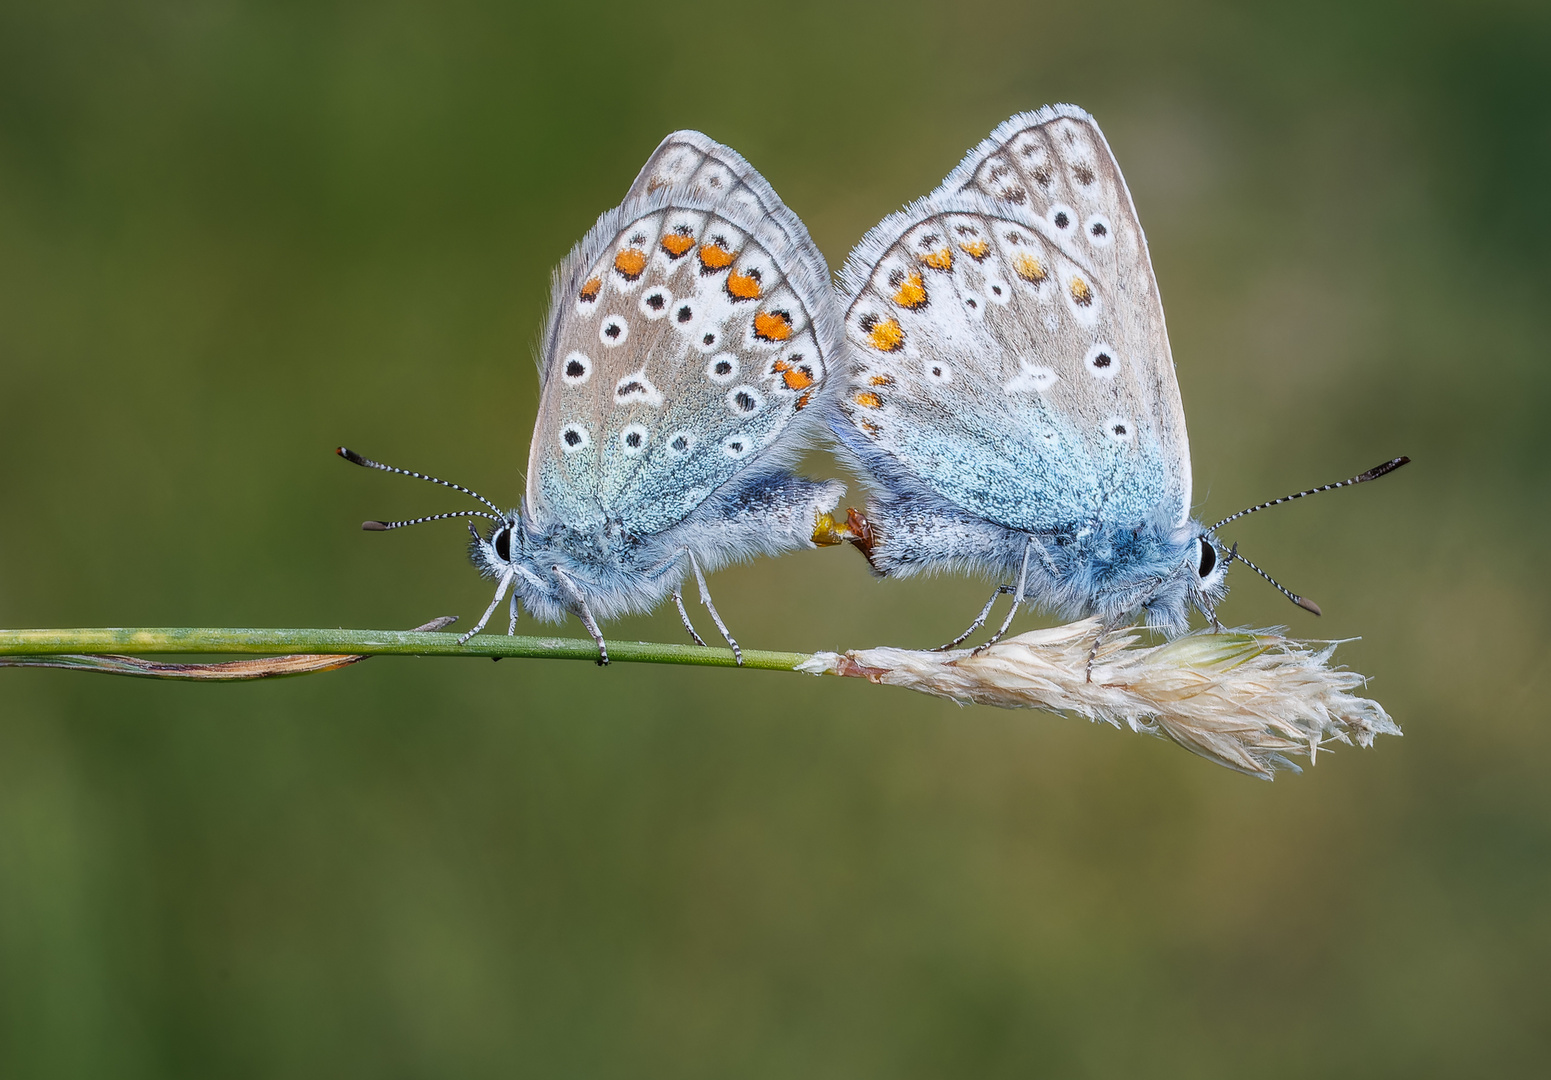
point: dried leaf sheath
(1244, 700)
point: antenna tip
(1381, 470)
(1307, 605)
(374, 526)
(349, 455)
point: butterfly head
(498, 550)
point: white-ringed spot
(574, 438)
(681, 444)
(576, 369)
(1063, 217)
(723, 368)
(1099, 231)
(737, 446)
(614, 331)
(1102, 361)
(632, 439)
(997, 291)
(744, 401)
(656, 303)
(1119, 429)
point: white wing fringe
(1242, 699)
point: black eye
(1208, 557)
(502, 542)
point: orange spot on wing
(868, 400)
(779, 366)
(677, 243)
(911, 293)
(797, 379)
(1081, 293)
(941, 259)
(771, 325)
(591, 290)
(1029, 269)
(802, 402)
(630, 263)
(743, 286)
(715, 257)
(885, 334)
(881, 380)
(975, 249)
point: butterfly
(1012, 399)
(686, 362)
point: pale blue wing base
(1112, 572)
(762, 512)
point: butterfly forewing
(688, 334)
(1009, 339)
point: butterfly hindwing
(689, 335)
(689, 163)
(1061, 160)
(1008, 343)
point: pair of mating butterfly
(994, 362)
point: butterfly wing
(689, 163)
(1009, 350)
(689, 334)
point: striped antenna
(1361, 478)
(1304, 602)
(384, 526)
(367, 463)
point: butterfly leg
(1093, 653)
(980, 619)
(1105, 629)
(678, 598)
(500, 594)
(705, 598)
(583, 612)
(511, 626)
(1017, 598)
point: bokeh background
(233, 235)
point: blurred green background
(235, 235)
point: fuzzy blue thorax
(1116, 573)
(615, 572)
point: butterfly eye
(502, 542)
(1208, 558)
